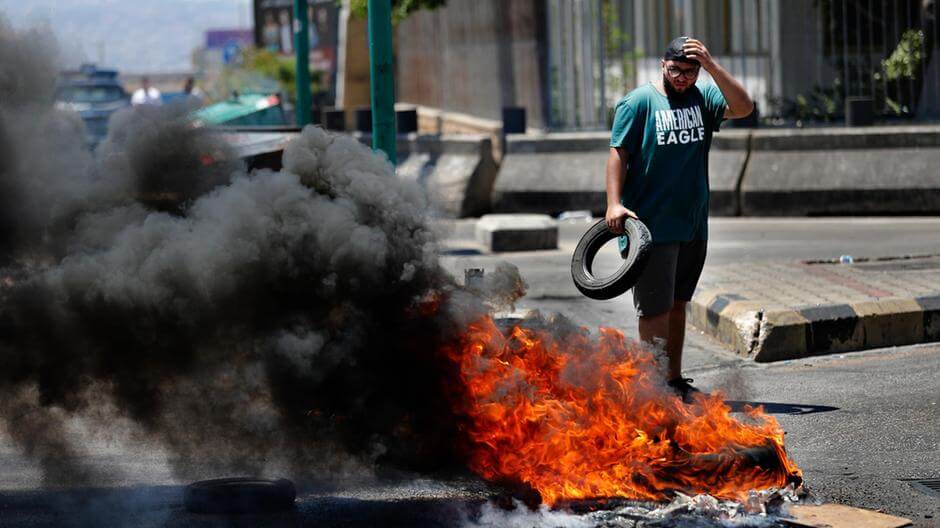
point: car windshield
(89, 94)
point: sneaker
(684, 388)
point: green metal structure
(384, 133)
(302, 53)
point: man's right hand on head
(616, 215)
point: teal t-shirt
(667, 142)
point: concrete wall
(473, 56)
(551, 173)
(353, 89)
(456, 171)
(783, 172)
(840, 171)
(791, 172)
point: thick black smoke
(37, 189)
(278, 320)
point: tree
(400, 8)
(262, 71)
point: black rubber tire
(239, 495)
(638, 248)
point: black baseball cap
(674, 51)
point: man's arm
(739, 103)
(616, 212)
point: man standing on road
(146, 94)
(660, 139)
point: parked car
(250, 109)
(94, 94)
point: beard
(671, 91)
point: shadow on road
(780, 408)
(161, 506)
(460, 252)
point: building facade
(569, 61)
(475, 57)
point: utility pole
(302, 53)
(384, 133)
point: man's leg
(676, 339)
(690, 261)
(668, 328)
(654, 293)
(655, 328)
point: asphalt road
(857, 424)
(731, 240)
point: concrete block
(931, 308)
(879, 170)
(517, 232)
(932, 326)
(891, 322)
(725, 168)
(833, 328)
(739, 326)
(847, 138)
(551, 173)
(782, 336)
(550, 183)
(726, 163)
(748, 328)
(697, 313)
(457, 172)
(541, 143)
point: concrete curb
(517, 232)
(775, 335)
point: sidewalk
(776, 311)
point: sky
(134, 36)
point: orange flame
(577, 417)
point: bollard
(364, 119)
(859, 111)
(407, 121)
(335, 119)
(514, 120)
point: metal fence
(799, 59)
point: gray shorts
(671, 274)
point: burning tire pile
(580, 417)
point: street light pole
(302, 54)
(381, 79)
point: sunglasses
(675, 72)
